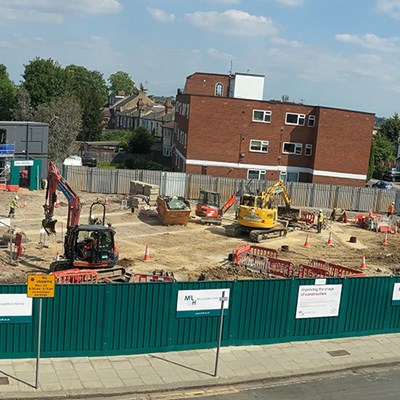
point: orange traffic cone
(146, 254)
(345, 219)
(385, 240)
(58, 256)
(363, 263)
(57, 203)
(307, 243)
(25, 204)
(106, 201)
(395, 232)
(330, 243)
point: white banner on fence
(199, 303)
(15, 308)
(316, 301)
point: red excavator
(90, 246)
(208, 207)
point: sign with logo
(40, 286)
(201, 303)
(15, 308)
(317, 301)
(23, 163)
(396, 294)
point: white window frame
(301, 119)
(298, 148)
(260, 172)
(308, 150)
(266, 116)
(311, 121)
(219, 89)
(261, 144)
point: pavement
(88, 377)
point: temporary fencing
(76, 276)
(266, 261)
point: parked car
(89, 159)
(392, 176)
(382, 185)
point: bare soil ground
(191, 252)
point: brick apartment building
(224, 128)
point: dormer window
(219, 89)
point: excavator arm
(228, 204)
(278, 189)
(56, 181)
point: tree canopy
(140, 141)
(8, 93)
(122, 82)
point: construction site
(197, 248)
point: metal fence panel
(87, 320)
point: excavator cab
(208, 203)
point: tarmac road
(369, 384)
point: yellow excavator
(260, 217)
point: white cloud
(219, 54)
(160, 15)
(285, 42)
(52, 11)
(370, 41)
(290, 3)
(390, 7)
(224, 1)
(232, 22)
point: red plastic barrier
(336, 270)
(307, 271)
(12, 188)
(280, 267)
(3, 187)
(151, 278)
(307, 216)
(76, 276)
(241, 253)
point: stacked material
(142, 194)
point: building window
(295, 119)
(260, 146)
(256, 174)
(311, 121)
(308, 150)
(219, 89)
(292, 148)
(262, 116)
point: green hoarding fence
(115, 319)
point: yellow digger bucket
(49, 226)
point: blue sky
(335, 53)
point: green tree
(44, 80)
(8, 92)
(142, 88)
(90, 90)
(120, 136)
(23, 110)
(140, 141)
(64, 117)
(390, 128)
(121, 81)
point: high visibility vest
(320, 217)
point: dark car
(382, 185)
(89, 159)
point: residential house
(223, 127)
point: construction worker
(390, 209)
(320, 220)
(13, 205)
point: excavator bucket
(49, 226)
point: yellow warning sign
(40, 286)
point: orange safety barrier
(76, 276)
(360, 218)
(335, 270)
(307, 216)
(241, 253)
(150, 278)
(280, 267)
(307, 271)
